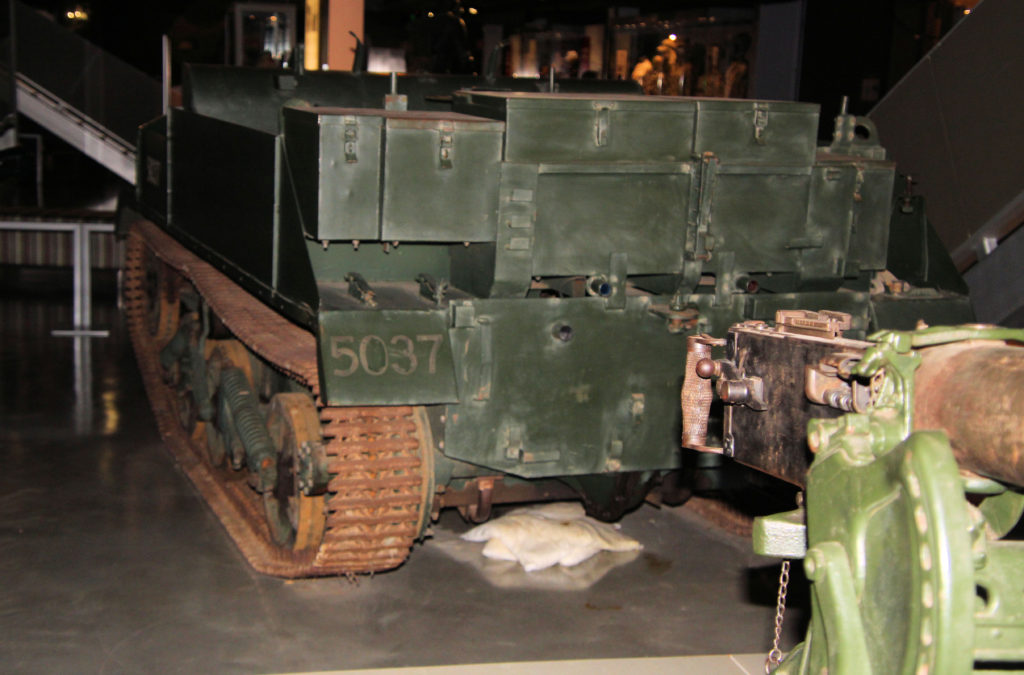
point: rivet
(913, 485)
(920, 519)
(927, 596)
(926, 557)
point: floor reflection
(107, 550)
(43, 376)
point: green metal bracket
(891, 562)
(618, 270)
(898, 558)
(999, 615)
(835, 600)
(517, 208)
(782, 535)
(1002, 512)
(940, 335)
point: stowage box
(393, 175)
(567, 128)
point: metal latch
(602, 125)
(351, 136)
(447, 150)
(760, 122)
(514, 437)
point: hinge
(701, 243)
(486, 365)
(858, 184)
(513, 442)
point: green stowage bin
(332, 167)
(441, 175)
(756, 132)
(585, 128)
(395, 176)
(566, 128)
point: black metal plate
(775, 440)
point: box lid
(408, 119)
(495, 104)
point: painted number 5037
(375, 356)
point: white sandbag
(538, 537)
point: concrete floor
(110, 562)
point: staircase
(82, 94)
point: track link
(379, 483)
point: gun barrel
(974, 392)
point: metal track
(379, 479)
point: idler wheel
(296, 518)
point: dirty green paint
(907, 575)
(709, 211)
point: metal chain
(775, 655)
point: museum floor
(110, 562)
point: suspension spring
(260, 454)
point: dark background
(845, 41)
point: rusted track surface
(289, 347)
(378, 489)
(379, 483)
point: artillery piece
(910, 450)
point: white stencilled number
(374, 357)
(366, 349)
(346, 355)
(409, 353)
(432, 361)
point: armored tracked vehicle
(354, 307)
(909, 449)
